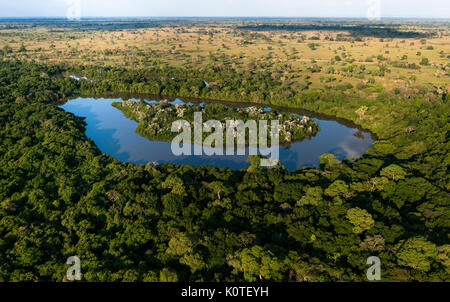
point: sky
(227, 8)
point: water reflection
(115, 135)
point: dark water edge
(115, 135)
(300, 111)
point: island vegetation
(156, 120)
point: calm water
(115, 135)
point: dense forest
(356, 30)
(59, 196)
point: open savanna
(305, 58)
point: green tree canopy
(313, 196)
(394, 172)
(361, 220)
(257, 263)
(417, 253)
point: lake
(115, 135)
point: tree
(194, 261)
(424, 62)
(288, 192)
(255, 161)
(180, 244)
(22, 48)
(173, 205)
(361, 220)
(417, 253)
(373, 243)
(176, 184)
(313, 196)
(167, 275)
(7, 50)
(338, 188)
(218, 187)
(393, 172)
(328, 161)
(256, 263)
(361, 112)
(377, 183)
(444, 255)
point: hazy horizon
(402, 9)
(218, 17)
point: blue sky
(217, 8)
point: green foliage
(194, 261)
(337, 188)
(60, 196)
(360, 219)
(313, 196)
(329, 161)
(175, 183)
(167, 275)
(156, 120)
(256, 264)
(424, 61)
(180, 245)
(393, 172)
(444, 255)
(417, 253)
(288, 192)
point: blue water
(115, 135)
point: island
(155, 119)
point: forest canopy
(61, 197)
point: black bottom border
(222, 291)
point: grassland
(310, 58)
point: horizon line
(222, 17)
